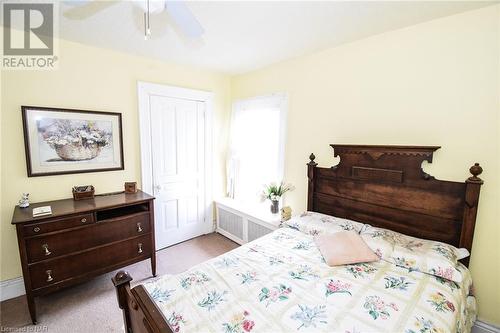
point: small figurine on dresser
(24, 202)
(286, 213)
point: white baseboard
(482, 327)
(11, 288)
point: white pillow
(415, 254)
(313, 223)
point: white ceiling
(243, 36)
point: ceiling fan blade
(82, 9)
(184, 18)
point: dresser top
(70, 206)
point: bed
(280, 282)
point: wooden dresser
(83, 239)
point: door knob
(157, 187)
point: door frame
(144, 91)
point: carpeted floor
(92, 307)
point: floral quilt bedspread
(280, 283)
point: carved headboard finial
(311, 160)
(475, 170)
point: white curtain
(256, 154)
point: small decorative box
(83, 192)
(131, 187)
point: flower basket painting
(62, 141)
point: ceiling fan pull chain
(145, 27)
(149, 22)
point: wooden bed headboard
(386, 187)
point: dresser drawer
(58, 224)
(49, 246)
(49, 272)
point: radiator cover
(240, 226)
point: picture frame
(60, 141)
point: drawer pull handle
(45, 247)
(139, 246)
(84, 220)
(36, 229)
(139, 227)
(49, 275)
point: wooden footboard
(140, 313)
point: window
(257, 145)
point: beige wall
(93, 79)
(435, 83)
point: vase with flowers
(274, 192)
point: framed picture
(63, 141)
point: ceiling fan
(177, 10)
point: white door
(178, 168)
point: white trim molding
(11, 288)
(482, 327)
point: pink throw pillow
(344, 248)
